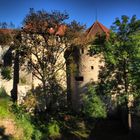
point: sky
(83, 11)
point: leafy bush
(53, 129)
(23, 121)
(4, 110)
(18, 110)
(37, 135)
(18, 114)
(6, 73)
(4, 103)
(93, 106)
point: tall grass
(4, 104)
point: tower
(82, 67)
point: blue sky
(83, 11)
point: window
(92, 67)
(79, 78)
(82, 50)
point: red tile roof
(58, 30)
(61, 30)
(97, 28)
(6, 31)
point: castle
(83, 70)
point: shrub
(6, 73)
(93, 106)
(53, 129)
(4, 103)
(37, 135)
(23, 121)
(4, 112)
(18, 110)
(18, 114)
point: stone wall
(86, 71)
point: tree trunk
(127, 92)
(14, 91)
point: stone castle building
(81, 71)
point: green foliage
(4, 110)
(28, 128)
(93, 106)
(122, 58)
(37, 135)
(124, 49)
(4, 103)
(6, 73)
(23, 120)
(53, 129)
(18, 110)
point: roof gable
(97, 28)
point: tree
(75, 32)
(122, 58)
(45, 39)
(93, 106)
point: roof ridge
(95, 28)
(89, 29)
(102, 26)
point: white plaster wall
(85, 70)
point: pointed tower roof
(97, 28)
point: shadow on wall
(4, 136)
(53, 97)
(50, 99)
(7, 58)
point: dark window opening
(79, 78)
(82, 50)
(92, 67)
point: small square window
(79, 78)
(92, 67)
